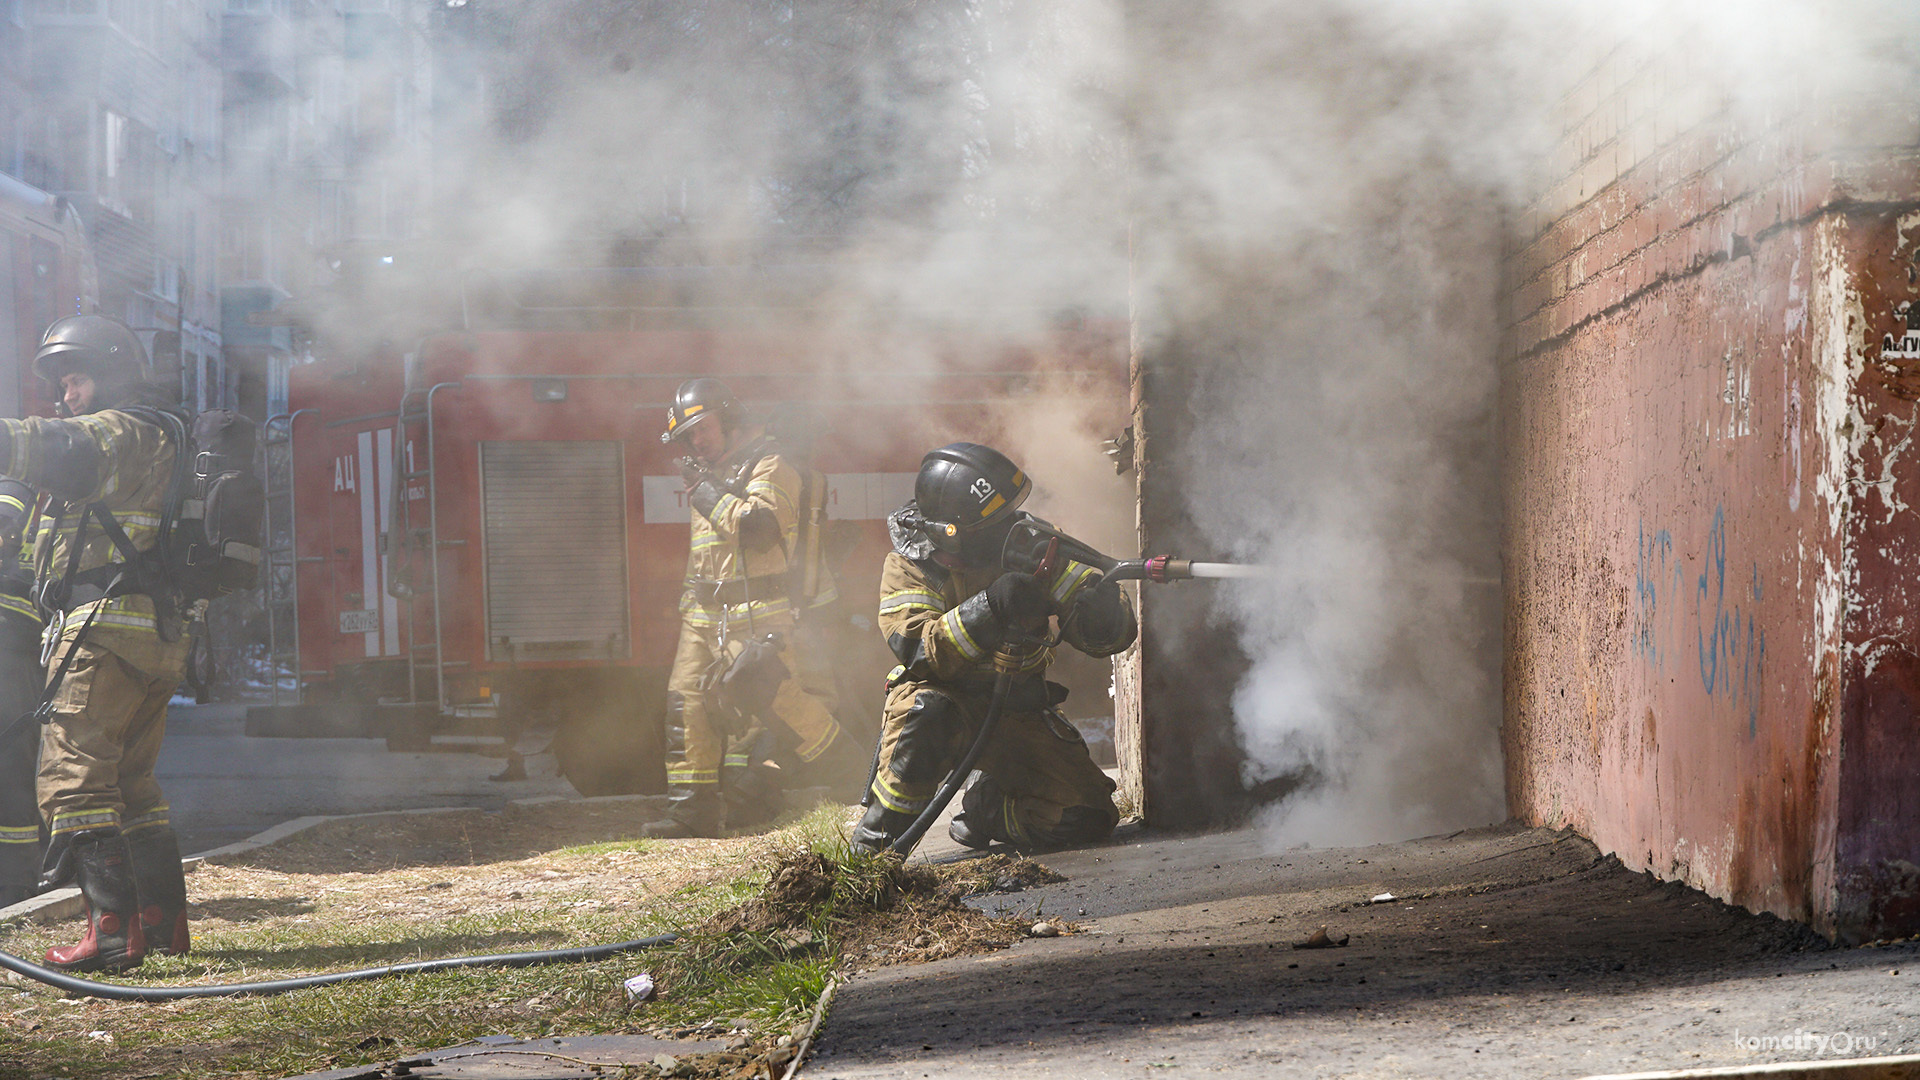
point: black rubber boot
(980, 822)
(754, 795)
(880, 827)
(692, 812)
(162, 885)
(115, 940)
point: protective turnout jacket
(942, 631)
(124, 463)
(747, 540)
(16, 577)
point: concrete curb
(1902, 1067)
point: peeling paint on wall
(1837, 351)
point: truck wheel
(613, 742)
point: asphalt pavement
(225, 787)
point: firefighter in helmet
(948, 601)
(738, 697)
(21, 680)
(113, 656)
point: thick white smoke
(1333, 186)
(1314, 198)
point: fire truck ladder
(280, 585)
(426, 658)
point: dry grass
(378, 891)
(371, 892)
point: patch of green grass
(741, 976)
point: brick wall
(1710, 663)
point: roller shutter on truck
(554, 521)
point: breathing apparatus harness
(742, 687)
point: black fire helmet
(967, 495)
(94, 345)
(696, 400)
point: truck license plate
(360, 622)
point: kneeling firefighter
(113, 654)
(739, 695)
(948, 602)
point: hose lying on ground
(118, 992)
(904, 846)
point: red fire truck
(485, 532)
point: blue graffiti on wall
(1731, 647)
(1656, 565)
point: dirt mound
(876, 912)
(1000, 874)
(881, 912)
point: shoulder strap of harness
(147, 572)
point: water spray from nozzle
(1164, 568)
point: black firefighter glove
(1102, 617)
(1018, 601)
(703, 491)
(743, 689)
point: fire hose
(1007, 662)
(1051, 544)
(120, 992)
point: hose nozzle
(1165, 568)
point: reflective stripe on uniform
(72, 821)
(685, 777)
(912, 600)
(1072, 579)
(768, 487)
(115, 612)
(19, 834)
(20, 462)
(812, 750)
(1011, 820)
(956, 632)
(896, 800)
(734, 615)
(152, 819)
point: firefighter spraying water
(976, 596)
(969, 598)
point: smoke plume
(1332, 188)
(1308, 202)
